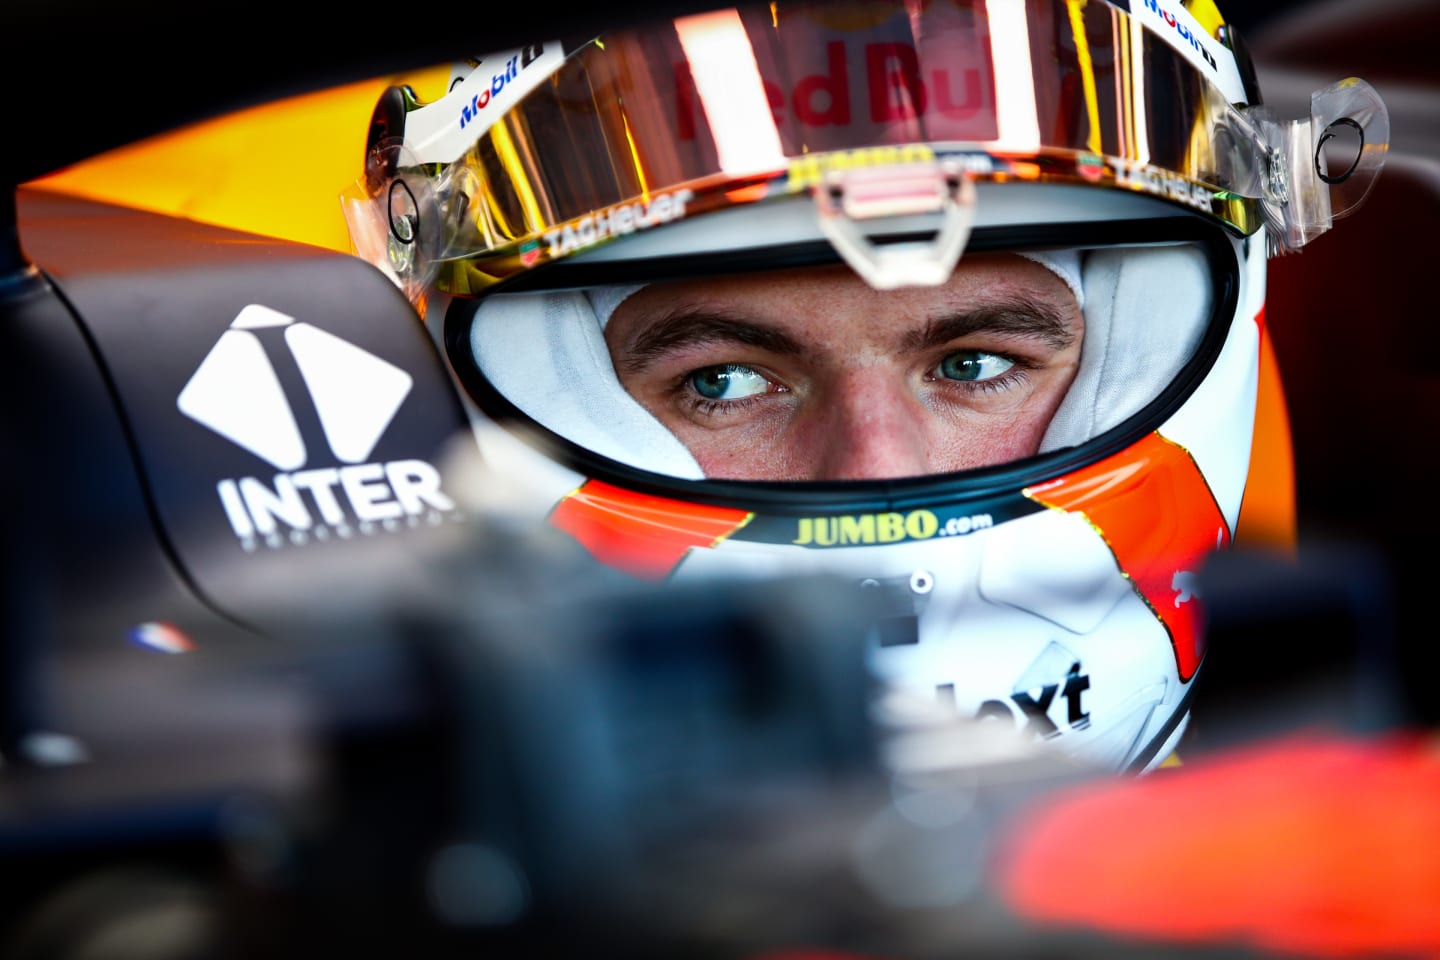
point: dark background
(1350, 319)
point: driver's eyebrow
(692, 327)
(688, 327)
(1012, 316)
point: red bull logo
(886, 85)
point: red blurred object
(1314, 844)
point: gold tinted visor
(647, 126)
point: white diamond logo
(356, 393)
(236, 393)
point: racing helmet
(1117, 151)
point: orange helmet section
(643, 535)
(1268, 514)
(1154, 510)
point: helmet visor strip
(650, 125)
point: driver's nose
(869, 427)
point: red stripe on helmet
(642, 535)
(1154, 510)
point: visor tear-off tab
(877, 194)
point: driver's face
(813, 375)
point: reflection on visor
(540, 154)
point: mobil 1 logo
(274, 386)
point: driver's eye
(731, 381)
(973, 365)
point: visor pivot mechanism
(395, 218)
(404, 227)
(877, 217)
(1277, 177)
